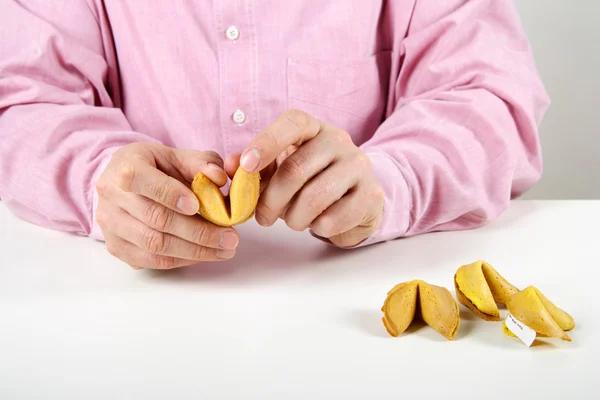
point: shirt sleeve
(461, 137)
(59, 124)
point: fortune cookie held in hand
(234, 209)
(481, 288)
(534, 310)
(433, 304)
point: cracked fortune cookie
(433, 304)
(534, 310)
(237, 207)
(481, 288)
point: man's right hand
(147, 211)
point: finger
(291, 176)
(293, 127)
(359, 208)
(183, 164)
(265, 174)
(209, 163)
(137, 258)
(191, 228)
(143, 179)
(152, 241)
(280, 159)
(319, 194)
(288, 152)
(352, 237)
(232, 163)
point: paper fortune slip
(526, 334)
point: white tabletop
(290, 317)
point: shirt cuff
(397, 207)
(95, 231)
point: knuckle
(166, 194)
(102, 218)
(161, 193)
(342, 241)
(266, 209)
(298, 118)
(212, 155)
(315, 197)
(154, 241)
(294, 224)
(292, 168)
(376, 195)
(125, 175)
(132, 148)
(200, 234)
(363, 160)
(101, 188)
(112, 247)
(162, 262)
(317, 203)
(158, 217)
(344, 136)
(171, 156)
(273, 137)
(338, 136)
(199, 253)
(325, 226)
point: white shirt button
(239, 116)
(232, 33)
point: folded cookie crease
(534, 310)
(234, 209)
(481, 288)
(418, 299)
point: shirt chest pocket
(350, 95)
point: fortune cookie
(234, 209)
(433, 304)
(481, 288)
(534, 310)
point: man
(369, 120)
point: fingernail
(225, 254)
(228, 240)
(215, 166)
(187, 205)
(261, 220)
(250, 159)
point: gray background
(565, 36)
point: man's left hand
(315, 177)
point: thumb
(232, 163)
(209, 163)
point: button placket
(233, 33)
(237, 59)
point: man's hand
(147, 211)
(316, 178)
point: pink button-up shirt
(443, 96)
